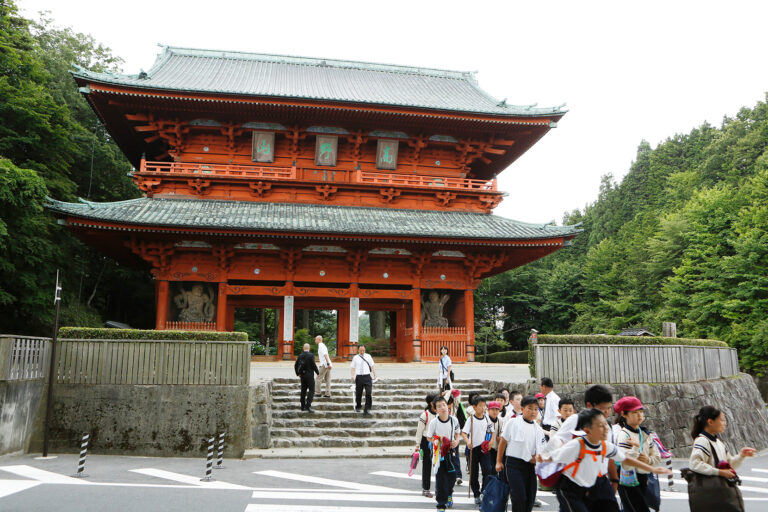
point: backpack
(549, 473)
(299, 366)
(495, 495)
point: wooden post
(162, 304)
(469, 323)
(393, 333)
(345, 348)
(669, 329)
(221, 308)
(287, 330)
(417, 325)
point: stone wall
(149, 420)
(20, 404)
(670, 408)
(261, 414)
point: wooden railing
(631, 364)
(250, 172)
(23, 357)
(153, 362)
(190, 326)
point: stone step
(340, 433)
(323, 423)
(430, 380)
(416, 407)
(340, 402)
(346, 414)
(326, 442)
(421, 388)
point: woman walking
(445, 364)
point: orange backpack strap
(575, 464)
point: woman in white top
(444, 378)
(712, 481)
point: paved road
(146, 484)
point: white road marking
(8, 487)
(322, 508)
(332, 483)
(744, 478)
(394, 474)
(744, 488)
(336, 496)
(188, 480)
(42, 476)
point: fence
(190, 326)
(23, 357)
(633, 364)
(145, 362)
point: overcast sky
(627, 70)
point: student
(444, 369)
(541, 399)
(638, 444)
(423, 444)
(602, 496)
(452, 408)
(443, 432)
(507, 408)
(708, 487)
(515, 404)
(494, 410)
(521, 441)
(477, 430)
(565, 409)
(504, 412)
(579, 477)
(551, 403)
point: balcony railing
(251, 172)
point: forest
(682, 237)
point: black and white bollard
(220, 459)
(670, 481)
(209, 461)
(83, 453)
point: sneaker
(459, 481)
(358, 409)
(478, 500)
(310, 410)
(427, 494)
(367, 413)
(538, 503)
(449, 503)
(441, 510)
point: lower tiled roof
(308, 218)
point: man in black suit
(306, 369)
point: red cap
(494, 405)
(540, 395)
(627, 404)
(455, 393)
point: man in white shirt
(551, 412)
(325, 368)
(362, 370)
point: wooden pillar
(286, 323)
(161, 295)
(393, 330)
(469, 322)
(230, 317)
(221, 308)
(342, 334)
(417, 325)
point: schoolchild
(443, 432)
(478, 434)
(504, 412)
(565, 409)
(541, 399)
(712, 483)
(583, 458)
(423, 445)
(637, 442)
(521, 441)
(515, 400)
(452, 407)
(494, 410)
(551, 401)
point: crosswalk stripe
(744, 478)
(323, 508)
(329, 482)
(394, 474)
(188, 480)
(744, 488)
(43, 476)
(8, 487)
(335, 496)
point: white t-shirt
(480, 427)
(551, 408)
(322, 351)
(524, 439)
(589, 469)
(567, 432)
(448, 428)
(445, 366)
(358, 363)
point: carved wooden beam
(290, 256)
(223, 254)
(418, 260)
(355, 258)
(155, 253)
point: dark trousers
(479, 461)
(426, 463)
(456, 462)
(571, 497)
(633, 498)
(307, 389)
(363, 382)
(521, 476)
(601, 496)
(444, 481)
(492, 454)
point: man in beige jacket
(325, 368)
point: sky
(627, 71)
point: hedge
(595, 339)
(512, 357)
(102, 333)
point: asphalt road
(117, 484)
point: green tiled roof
(280, 76)
(308, 218)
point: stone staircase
(397, 404)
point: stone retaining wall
(261, 414)
(21, 404)
(670, 408)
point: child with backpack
(584, 459)
(424, 446)
(638, 444)
(478, 434)
(494, 417)
(443, 433)
(565, 409)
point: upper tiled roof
(253, 74)
(309, 218)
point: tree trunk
(378, 324)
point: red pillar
(221, 308)
(469, 322)
(342, 333)
(416, 325)
(161, 294)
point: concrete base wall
(148, 420)
(261, 414)
(20, 404)
(670, 408)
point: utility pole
(51, 365)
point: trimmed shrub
(596, 339)
(103, 333)
(510, 356)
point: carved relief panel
(193, 302)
